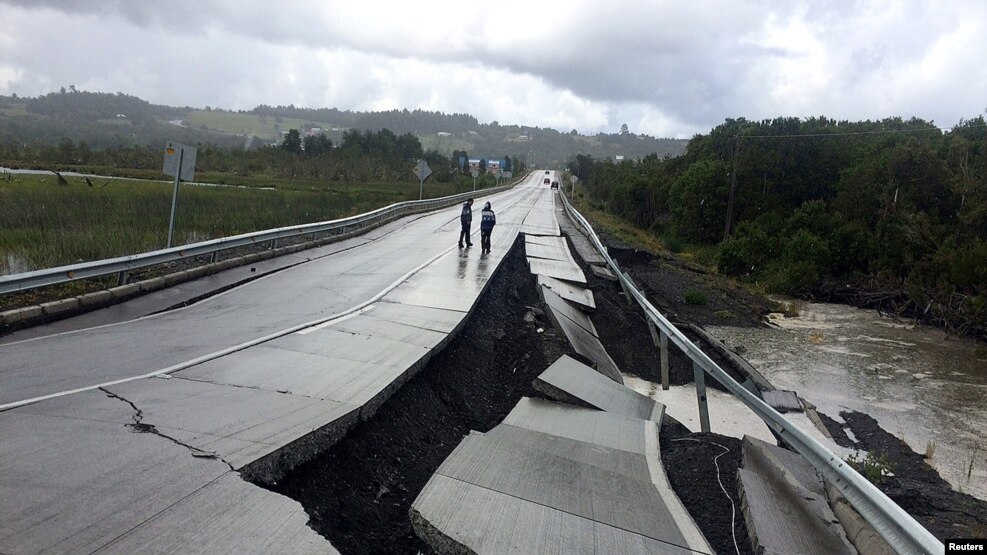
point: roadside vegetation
(889, 214)
(50, 220)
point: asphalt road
(305, 294)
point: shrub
(876, 468)
(695, 297)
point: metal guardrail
(902, 532)
(124, 264)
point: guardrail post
(274, 243)
(122, 278)
(700, 377)
(213, 257)
(620, 274)
(663, 348)
(661, 342)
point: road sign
(573, 179)
(422, 170)
(474, 172)
(508, 175)
(179, 158)
(498, 174)
(179, 162)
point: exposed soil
(358, 492)
(915, 485)
(693, 463)
(624, 330)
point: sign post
(474, 172)
(422, 171)
(179, 161)
(573, 179)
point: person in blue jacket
(466, 219)
(487, 222)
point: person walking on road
(487, 222)
(466, 218)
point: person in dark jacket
(487, 222)
(466, 218)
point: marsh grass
(43, 225)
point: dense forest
(890, 214)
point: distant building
(619, 157)
(314, 132)
(444, 134)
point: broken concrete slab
(782, 514)
(558, 251)
(556, 269)
(594, 493)
(603, 272)
(581, 333)
(782, 400)
(583, 298)
(578, 423)
(547, 240)
(458, 517)
(570, 381)
(585, 476)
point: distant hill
(104, 120)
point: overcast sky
(669, 68)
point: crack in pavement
(141, 428)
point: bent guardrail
(124, 264)
(902, 532)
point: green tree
(292, 142)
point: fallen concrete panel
(556, 269)
(228, 515)
(782, 401)
(572, 293)
(584, 248)
(782, 514)
(579, 330)
(596, 494)
(557, 478)
(603, 272)
(455, 516)
(614, 460)
(546, 240)
(581, 424)
(550, 252)
(570, 381)
(563, 307)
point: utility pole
(733, 188)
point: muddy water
(924, 387)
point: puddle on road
(922, 386)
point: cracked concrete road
(132, 435)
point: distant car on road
(546, 172)
(555, 184)
(546, 180)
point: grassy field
(47, 225)
(243, 124)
